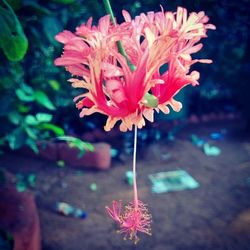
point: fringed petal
(123, 127)
(164, 108)
(149, 114)
(78, 70)
(126, 16)
(65, 36)
(78, 83)
(176, 106)
(110, 123)
(88, 111)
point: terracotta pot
(99, 159)
(18, 215)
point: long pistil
(134, 169)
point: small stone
(93, 187)
(21, 186)
(64, 184)
(32, 180)
(211, 150)
(130, 177)
(60, 163)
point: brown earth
(214, 216)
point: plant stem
(109, 10)
(134, 169)
(121, 50)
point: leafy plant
(31, 93)
(74, 142)
(13, 41)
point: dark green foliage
(64, 1)
(33, 91)
(13, 41)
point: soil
(214, 216)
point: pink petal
(110, 124)
(149, 114)
(65, 36)
(194, 49)
(89, 22)
(176, 106)
(104, 24)
(87, 111)
(115, 90)
(111, 70)
(151, 16)
(64, 61)
(78, 70)
(77, 44)
(126, 16)
(205, 61)
(195, 75)
(210, 26)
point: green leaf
(49, 126)
(16, 139)
(54, 84)
(23, 96)
(44, 100)
(15, 4)
(32, 144)
(77, 143)
(31, 133)
(12, 38)
(27, 89)
(31, 120)
(43, 117)
(22, 108)
(14, 117)
(89, 147)
(64, 1)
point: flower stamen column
(134, 169)
(135, 217)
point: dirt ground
(214, 216)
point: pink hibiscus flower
(127, 94)
(150, 41)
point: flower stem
(134, 169)
(109, 10)
(121, 50)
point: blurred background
(37, 107)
